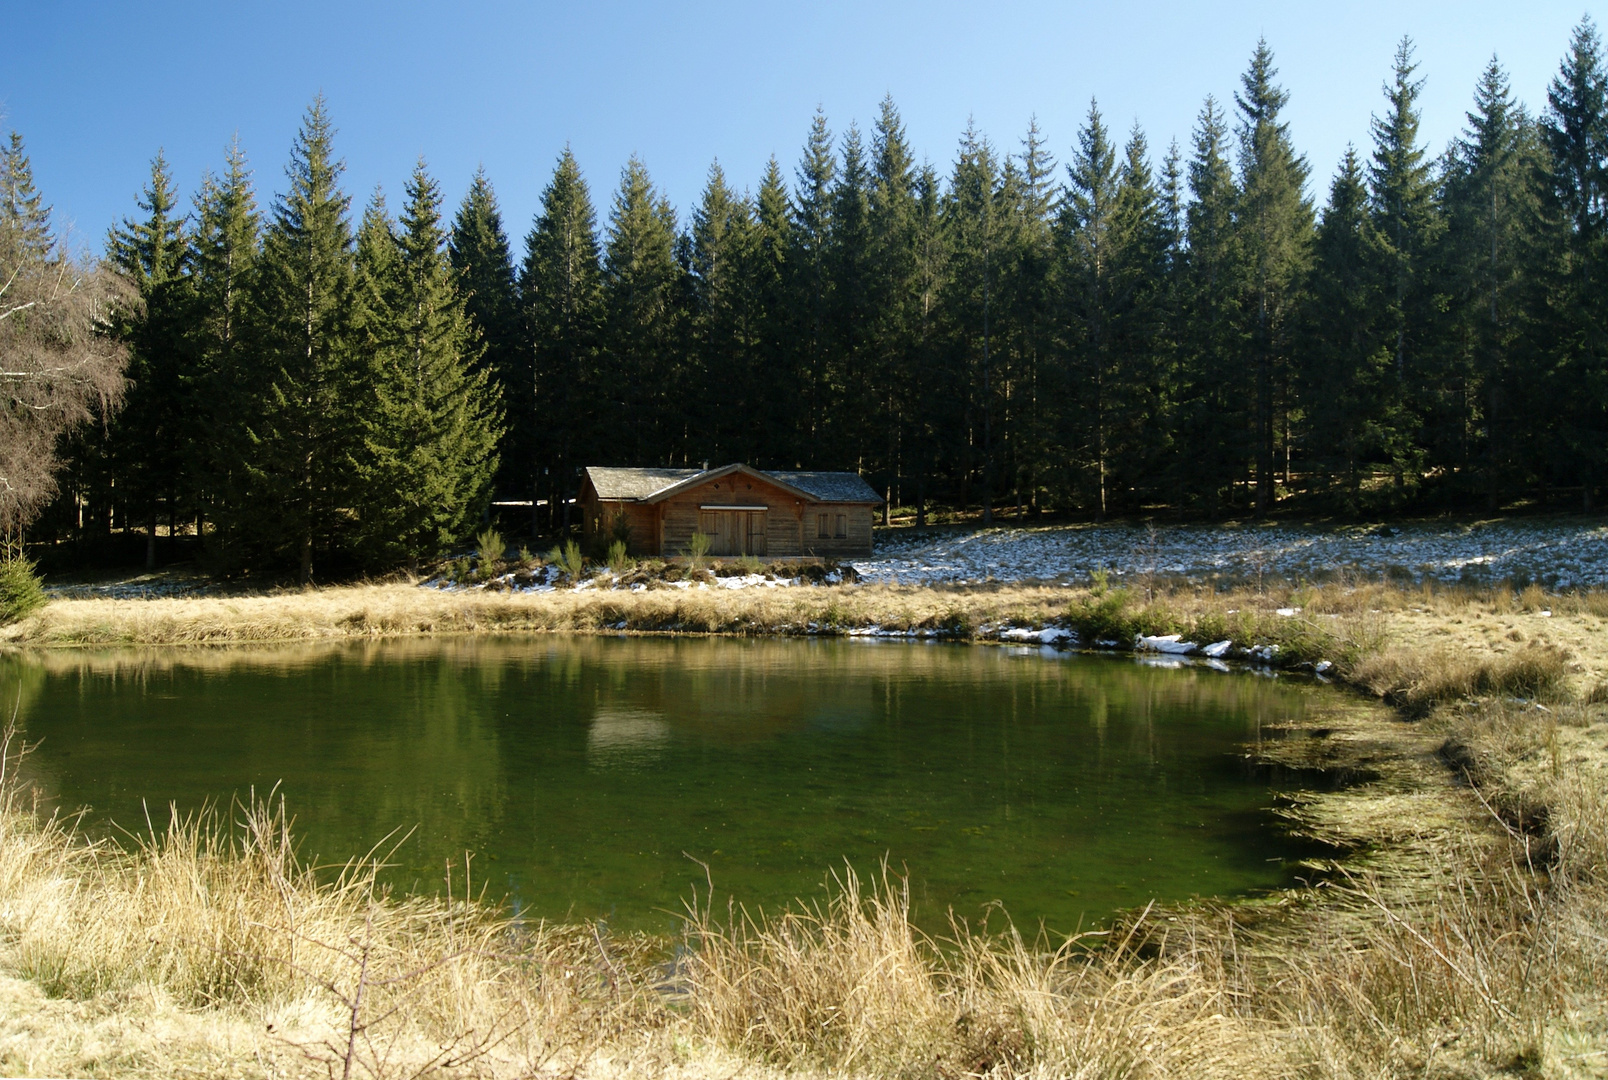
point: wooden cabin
(742, 510)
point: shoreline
(1473, 693)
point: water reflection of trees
(479, 742)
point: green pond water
(587, 774)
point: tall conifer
(641, 361)
(149, 436)
(1274, 226)
(225, 248)
(480, 255)
(560, 292)
(301, 416)
(1575, 132)
(430, 435)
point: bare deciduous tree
(59, 366)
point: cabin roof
(845, 487)
(610, 483)
(652, 485)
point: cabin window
(842, 526)
(823, 526)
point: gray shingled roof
(831, 486)
(610, 483)
(634, 483)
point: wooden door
(756, 544)
(722, 530)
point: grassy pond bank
(1456, 929)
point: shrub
(21, 592)
(620, 528)
(698, 548)
(489, 546)
(568, 559)
(619, 561)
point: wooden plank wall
(666, 528)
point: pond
(596, 777)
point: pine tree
(641, 371)
(225, 248)
(810, 284)
(1085, 287)
(1027, 323)
(481, 257)
(24, 217)
(304, 394)
(150, 435)
(430, 434)
(1142, 393)
(1575, 132)
(1406, 227)
(560, 292)
(1350, 395)
(974, 223)
(1274, 226)
(775, 392)
(722, 229)
(1489, 207)
(850, 397)
(1214, 413)
(935, 399)
(892, 298)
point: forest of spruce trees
(1098, 336)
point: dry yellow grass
(1461, 934)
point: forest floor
(1461, 929)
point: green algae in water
(596, 777)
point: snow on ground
(1560, 553)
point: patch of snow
(1559, 553)
(1164, 643)
(1287, 612)
(1217, 649)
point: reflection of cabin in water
(742, 510)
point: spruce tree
(150, 435)
(850, 397)
(1575, 132)
(1214, 414)
(1406, 227)
(892, 298)
(1484, 261)
(1027, 325)
(1141, 399)
(641, 373)
(974, 223)
(1274, 226)
(1351, 397)
(481, 257)
(776, 393)
(304, 394)
(560, 293)
(1085, 287)
(810, 284)
(225, 248)
(721, 322)
(24, 217)
(430, 431)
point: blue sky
(96, 89)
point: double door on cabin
(733, 531)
